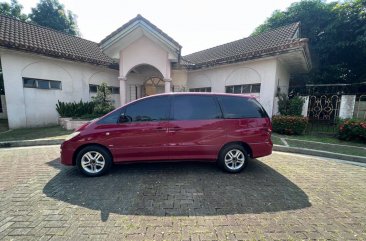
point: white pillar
(167, 85)
(123, 89)
(347, 106)
(275, 106)
(305, 106)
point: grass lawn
(321, 138)
(277, 140)
(349, 150)
(52, 132)
(322, 143)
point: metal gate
(360, 108)
(323, 112)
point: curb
(44, 142)
(319, 153)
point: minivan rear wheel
(93, 161)
(233, 158)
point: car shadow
(177, 189)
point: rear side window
(151, 109)
(195, 107)
(238, 107)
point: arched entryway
(144, 80)
(154, 85)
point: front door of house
(153, 86)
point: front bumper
(66, 154)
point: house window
(94, 89)
(242, 89)
(41, 84)
(203, 89)
(55, 84)
(114, 90)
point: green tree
(102, 101)
(14, 9)
(337, 34)
(51, 13)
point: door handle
(161, 129)
(175, 128)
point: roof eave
(295, 45)
(138, 19)
(56, 55)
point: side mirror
(124, 119)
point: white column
(123, 89)
(305, 106)
(347, 106)
(275, 106)
(167, 85)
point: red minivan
(224, 128)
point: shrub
(352, 129)
(289, 125)
(74, 109)
(290, 107)
(99, 106)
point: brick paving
(281, 197)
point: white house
(41, 66)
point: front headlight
(72, 135)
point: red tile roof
(19, 35)
(251, 47)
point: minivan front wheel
(93, 161)
(233, 158)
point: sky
(194, 24)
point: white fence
(350, 106)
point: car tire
(233, 158)
(93, 161)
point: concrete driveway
(281, 197)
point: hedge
(75, 109)
(289, 125)
(352, 129)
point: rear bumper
(261, 149)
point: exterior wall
(179, 80)
(282, 84)
(28, 107)
(109, 77)
(261, 71)
(283, 78)
(3, 115)
(144, 51)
